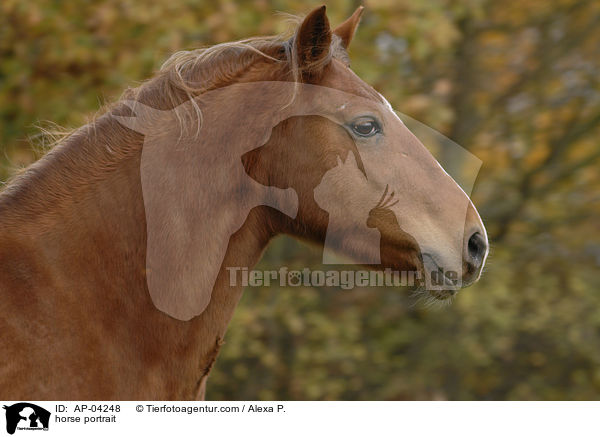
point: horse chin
(417, 266)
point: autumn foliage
(514, 82)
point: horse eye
(365, 127)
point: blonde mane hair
(189, 73)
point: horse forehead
(342, 78)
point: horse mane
(189, 73)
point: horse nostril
(476, 248)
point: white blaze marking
(389, 106)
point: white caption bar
(300, 418)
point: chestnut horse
(81, 316)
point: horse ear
(313, 41)
(347, 29)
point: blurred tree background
(515, 82)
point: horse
(115, 246)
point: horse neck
(83, 195)
(78, 215)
